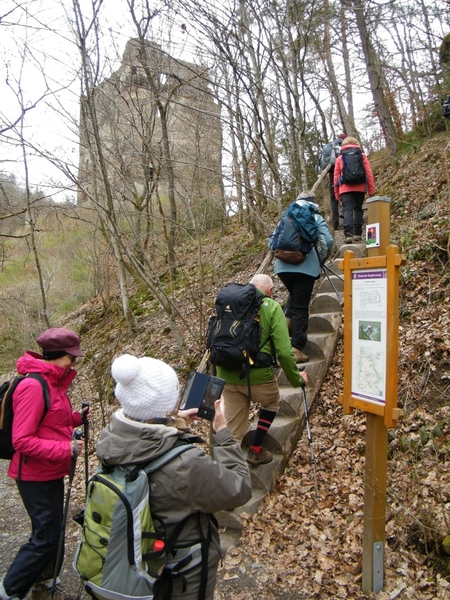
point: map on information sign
(370, 376)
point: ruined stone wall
(128, 106)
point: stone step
(358, 249)
(313, 366)
(292, 402)
(325, 303)
(320, 324)
(327, 284)
(325, 322)
(320, 344)
(232, 520)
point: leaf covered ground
(300, 546)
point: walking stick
(86, 444)
(308, 428)
(77, 436)
(325, 268)
(331, 282)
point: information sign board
(369, 334)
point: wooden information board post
(371, 303)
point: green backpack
(115, 557)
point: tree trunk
(375, 79)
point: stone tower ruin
(160, 132)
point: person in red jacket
(352, 194)
(44, 450)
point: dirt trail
(15, 526)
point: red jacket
(369, 185)
(43, 446)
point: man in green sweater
(263, 382)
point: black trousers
(300, 287)
(35, 561)
(352, 203)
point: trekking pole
(77, 436)
(334, 272)
(331, 282)
(86, 444)
(325, 269)
(308, 428)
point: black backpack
(353, 170)
(234, 334)
(6, 410)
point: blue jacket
(311, 265)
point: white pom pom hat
(146, 388)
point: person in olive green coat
(263, 382)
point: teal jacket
(275, 334)
(311, 266)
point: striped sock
(265, 420)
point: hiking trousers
(35, 560)
(300, 287)
(352, 203)
(237, 403)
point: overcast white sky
(39, 64)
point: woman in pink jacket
(44, 447)
(352, 193)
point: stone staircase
(285, 432)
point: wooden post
(374, 536)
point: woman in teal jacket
(299, 281)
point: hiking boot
(357, 238)
(263, 457)
(300, 357)
(3, 593)
(349, 239)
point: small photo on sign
(373, 235)
(369, 330)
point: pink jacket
(359, 187)
(43, 447)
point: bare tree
(376, 78)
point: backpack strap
(179, 447)
(45, 391)
(164, 583)
(16, 380)
(206, 541)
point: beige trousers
(237, 403)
